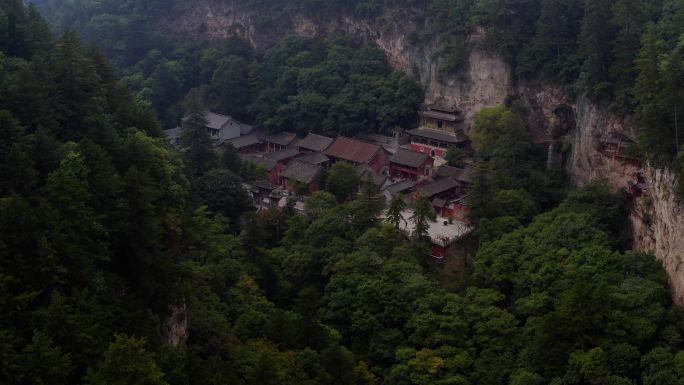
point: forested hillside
(306, 85)
(109, 237)
(622, 53)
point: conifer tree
(672, 97)
(555, 40)
(629, 17)
(595, 46)
(423, 213)
(194, 138)
(396, 207)
(126, 362)
(647, 92)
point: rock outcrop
(175, 328)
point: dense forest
(302, 84)
(109, 238)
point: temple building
(440, 126)
(407, 164)
(441, 116)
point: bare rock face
(176, 327)
(556, 119)
(587, 164)
(658, 223)
(656, 216)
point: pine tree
(629, 17)
(11, 133)
(480, 193)
(367, 206)
(423, 213)
(647, 92)
(595, 47)
(80, 97)
(396, 207)
(231, 160)
(77, 236)
(126, 362)
(555, 41)
(195, 139)
(43, 363)
(672, 97)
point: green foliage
(518, 204)
(195, 139)
(595, 39)
(455, 156)
(511, 178)
(590, 46)
(554, 46)
(111, 249)
(548, 296)
(331, 87)
(422, 214)
(396, 207)
(222, 192)
(342, 181)
(126, 361)
(230, 88)
(302, 84)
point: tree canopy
(121, 263)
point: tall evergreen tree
(81, 98)
(672, 96)
(647, 92)
(629, 17)
(595, 47)
(396, 207)
(126, 362)
(554, 46)
(195, 139)
(422, 215)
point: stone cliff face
(558, 120)
(663, 232)
(484, 83)
(656, 213)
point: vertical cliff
(658, 223)
(656, 211)
(485, 81)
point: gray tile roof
(280, 138)
(244, 141)
(409, 158)
(302, 172)
(173, 134)
(366, 174)
(260, 161)
(245, 129)
(400, 187)
(314, 142)
(456, 138)
(464, 175)
(314, 158)
(439, 186)
(446, 170)
(214, 121)
(279, 156)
